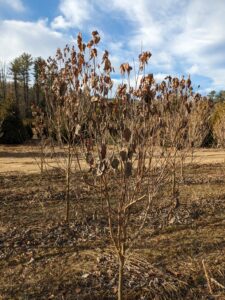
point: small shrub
(12, 130)
(28, 126)
(218, 121)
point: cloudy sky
(184, 36)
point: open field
(43, 258)
(23, 158)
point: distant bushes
(12, 128)
(218, 124)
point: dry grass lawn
(43, 258)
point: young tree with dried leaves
(118, 138)
(122, 140)
(125, 165)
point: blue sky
(184, 36)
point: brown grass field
(43, 258)
(23, 158)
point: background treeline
(20, 88)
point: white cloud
(201, 44)
(16, 5)
(74, 14)
(183, 36)
(194, 69)
(60, 23)
(160, 76)
(35, 38)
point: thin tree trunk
(174, 179)
(42, 158)
(121, 277)
(67, 197)
(68, 174)
(24, 96)
(16, 92)
(182, 169)
(27, 95)
(37, 94)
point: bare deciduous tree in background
(199, 124)
(175, 115)
(218, 123)
(3, 82)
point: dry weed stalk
(210, 280)
(207, 277)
